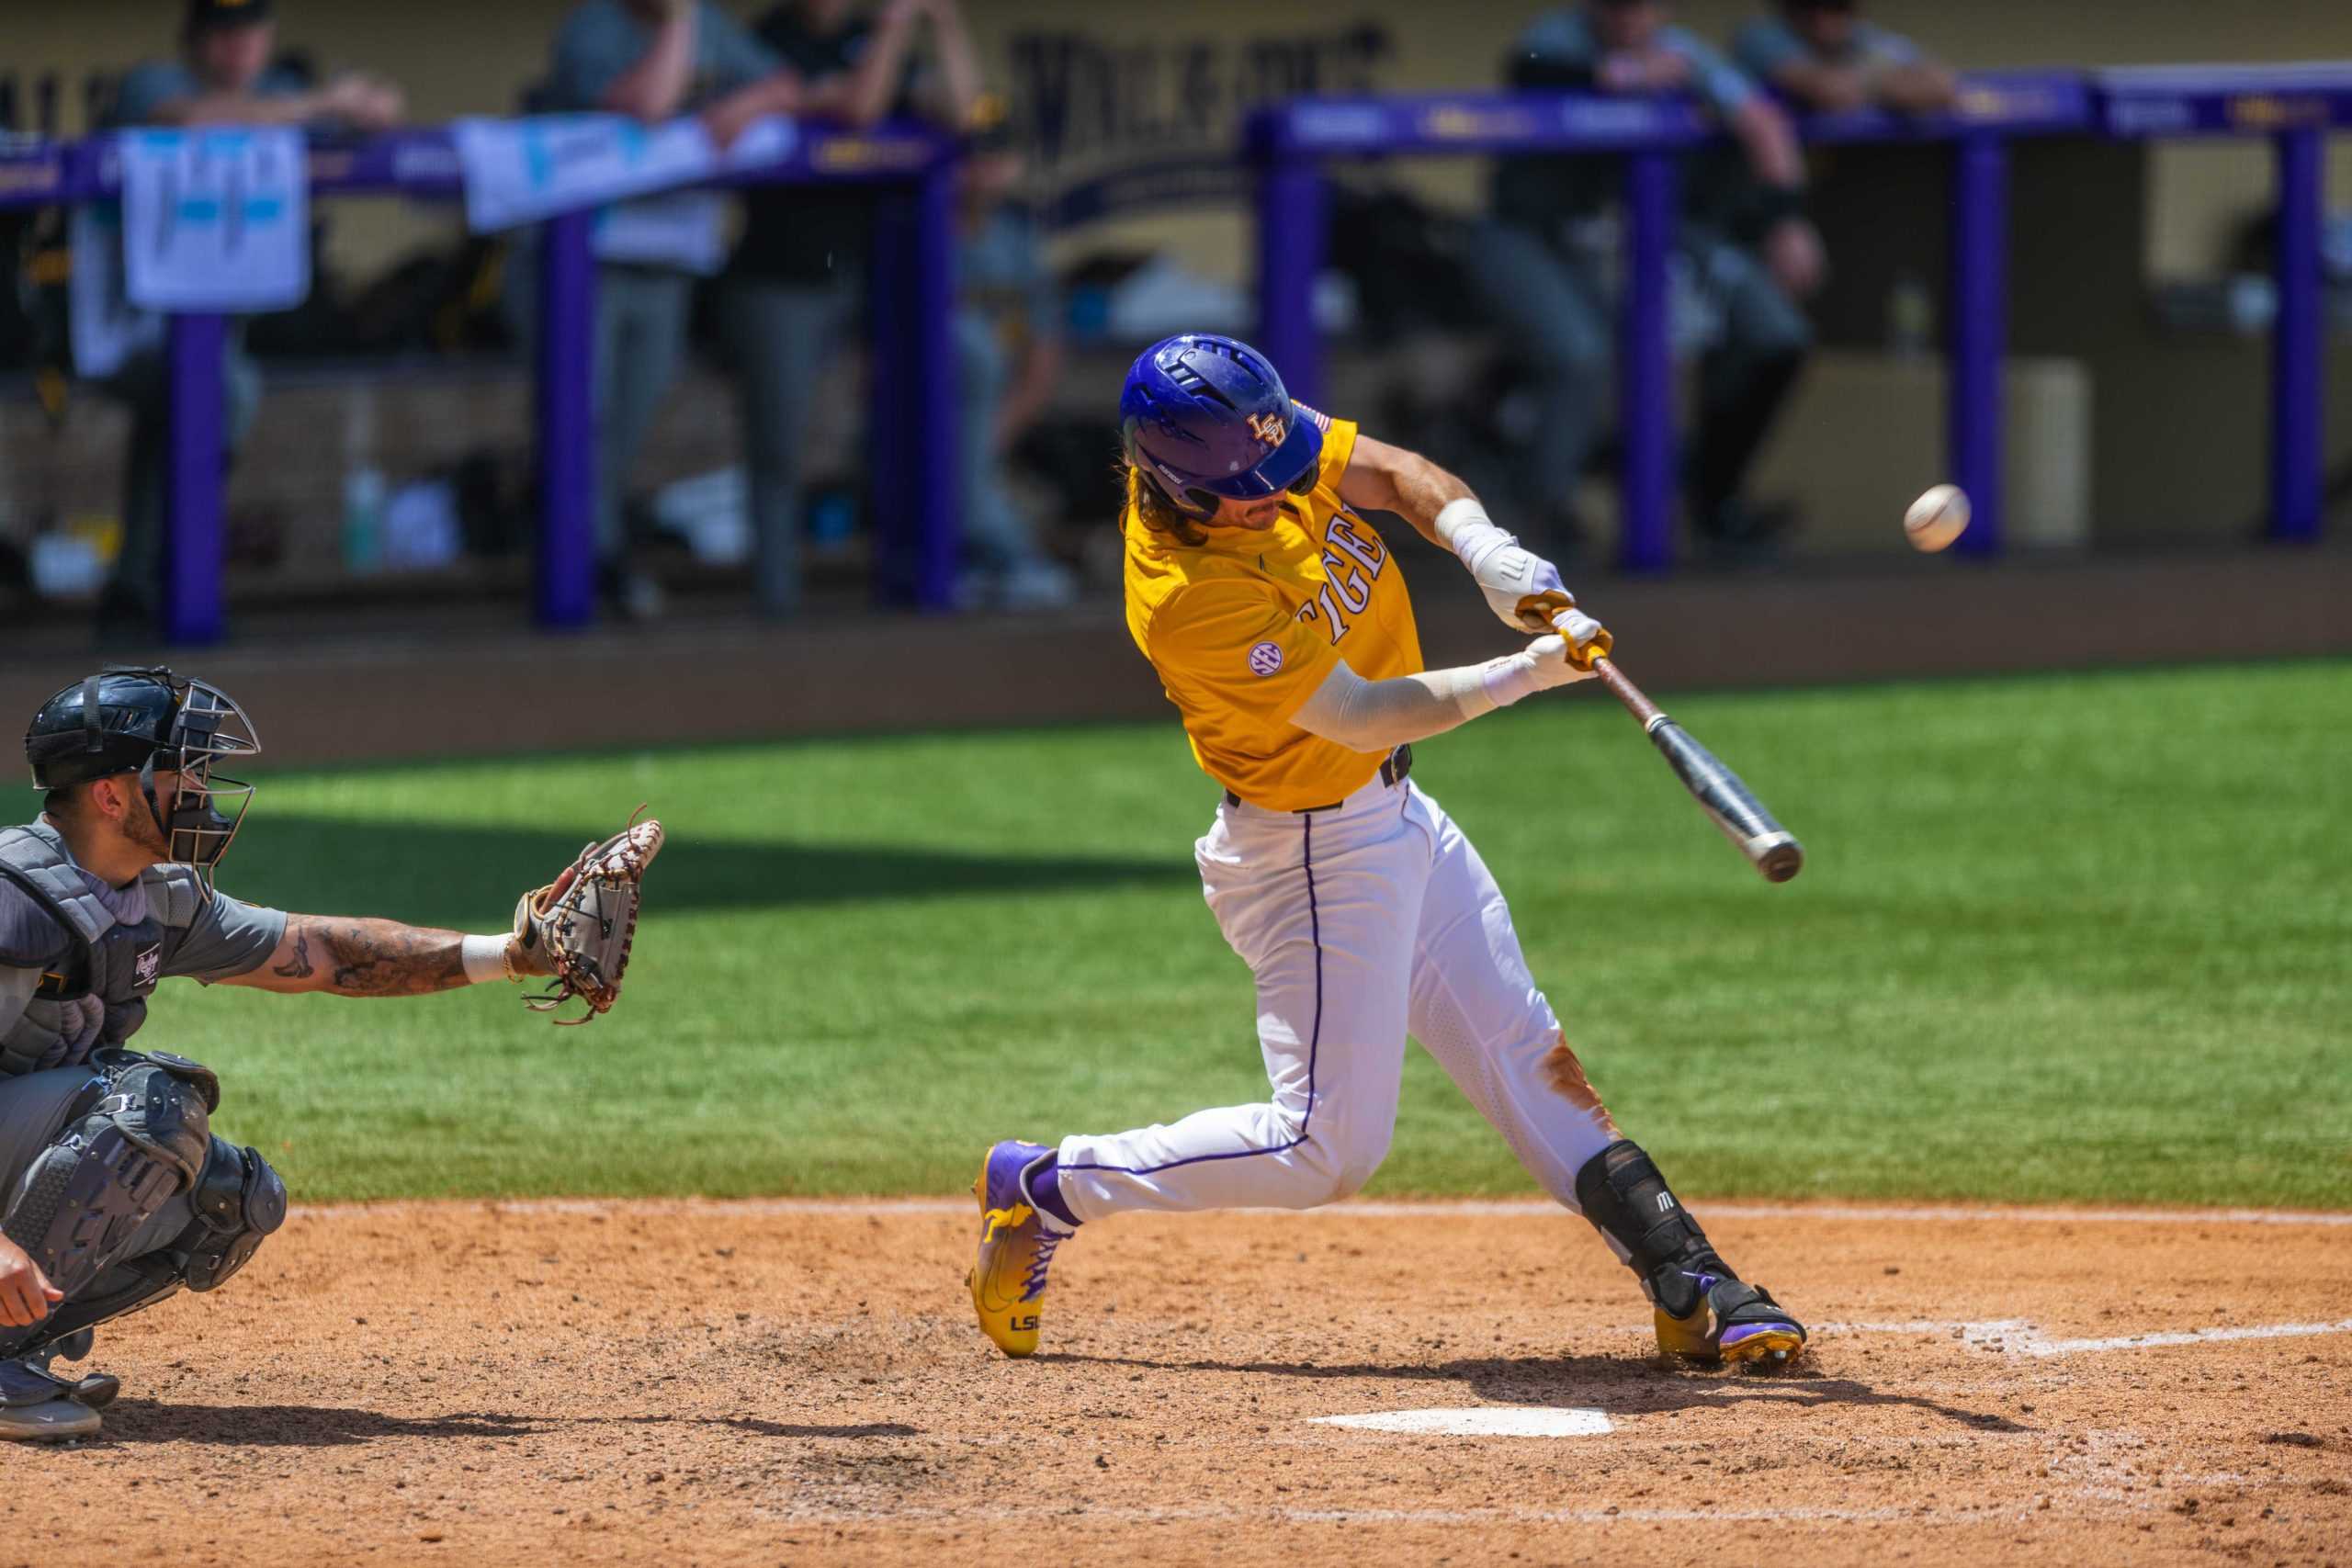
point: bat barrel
(1728, 802)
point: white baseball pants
(1359, 923)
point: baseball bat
(1771, 849)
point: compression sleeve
(1375, 715)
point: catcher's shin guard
(133, 1145)
(1704, 1311)
(238, 1201)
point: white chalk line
(2016, 1336)
(1583, 1516)
(1375, 1209)
(1479, 1421)
(1055, 1517)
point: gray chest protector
(96, 993)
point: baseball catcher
(115, 1191)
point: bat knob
(1536, 610)
(1777, 855)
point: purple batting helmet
(1205, 419)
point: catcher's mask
(127, 719)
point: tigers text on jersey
(1243, 627)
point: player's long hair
(1152, 509)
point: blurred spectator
(1824, 56)
(653, 60)
(228, 73)
(1008, 359)
(798, 280)
(224, 76)
(1547, 266)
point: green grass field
(2075, 938)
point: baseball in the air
(1937, 518)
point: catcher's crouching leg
(238, 1201)
(213, 1230)
(137, 1136)
(131, 1142)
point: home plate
(1480, 1421)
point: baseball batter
(1280, 626)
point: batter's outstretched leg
(1478, 1009)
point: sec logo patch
(1265, 658)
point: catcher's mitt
(581, 924)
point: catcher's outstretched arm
(348, 955)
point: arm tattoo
(385, 958)
(299, 967)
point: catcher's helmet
(1204, 418)
(132, 720)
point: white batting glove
(1577, 627)
(1548, 658)
(1539, 667)
(1505, 571)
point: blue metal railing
(916, 520)
(2295, 105)
(917, 513)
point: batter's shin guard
(1627, 1200)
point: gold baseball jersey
(1244, 627)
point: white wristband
(1465, 529)
(485, 959)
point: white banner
(106, 329)
(520, 170)
(215, 220)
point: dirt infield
(754, 1384)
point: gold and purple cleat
(1009, 1279)
(1735, 1323)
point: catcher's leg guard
(237, 1202)
(121, 1156)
